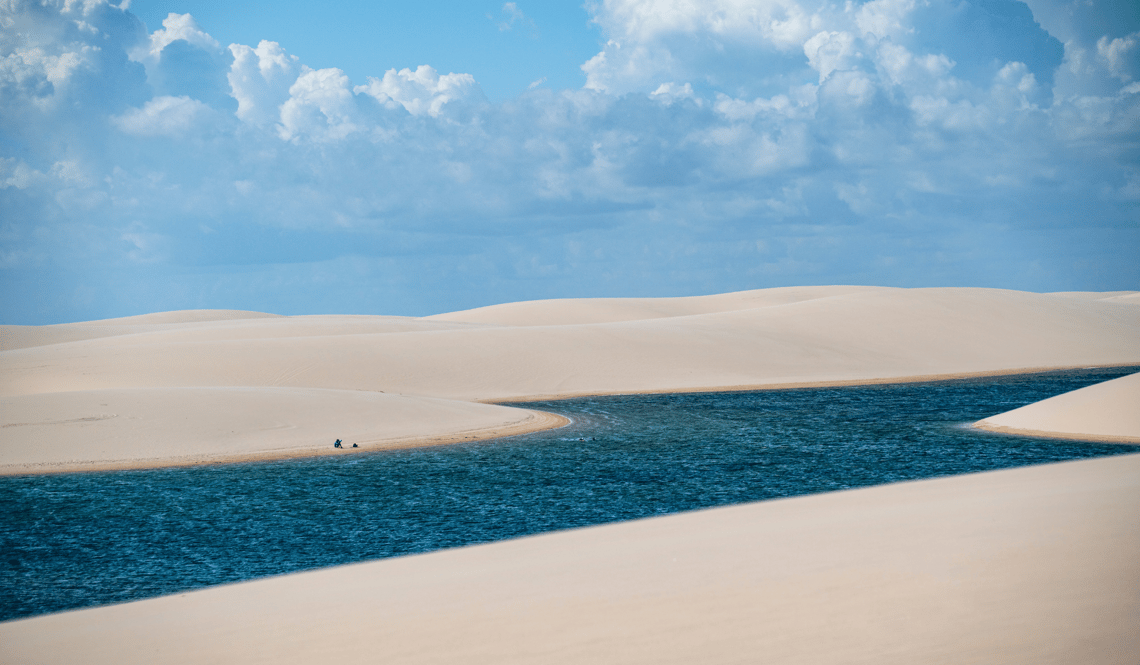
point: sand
(1034, 565)
(149, 427)
(1108, 411)
(752, 339)
(137, 424)
(778, 336)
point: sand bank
(1034, 565)
(1108, 411)
(839, 335)
(151, 427)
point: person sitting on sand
(337, 444)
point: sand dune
(129, 428)
(579, 311)
(1108, 411)
(1131, 298)
(1096, 295)
(771, 337)
(226, 326)
(1034, 565)
(20, 337)
(871, 334)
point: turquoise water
(89, 539)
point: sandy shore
(150, 427)
(51, 376)
(1035, 565)
(1108, 411)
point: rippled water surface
(90, 539)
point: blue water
(89, 539)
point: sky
(417, 158)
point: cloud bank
(716, 145)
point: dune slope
(1108, 411)
(847, 336)
(149, 427)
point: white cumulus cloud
(655, 41)
(1121, 55)
(419, 92)
(174, 27)
(163, 116)
(829, 51)
(260, 79)
(320, 106)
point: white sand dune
(206, 325)
(1034, 566)
(19, 337)
(148, 427)
(577, 311)
(1097, 295)
(771, 337)
(138, 425)
(1104, 296)
(865, 335)
(1108, 411)
(1131, 298)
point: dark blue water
(96, 538)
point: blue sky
(503, 48)
(414, 158)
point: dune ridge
(872, 334)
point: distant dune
(20, 337)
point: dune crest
(580, 311)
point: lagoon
(80, 540)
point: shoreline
(1042, 434)
(543, 420)
(796, 385)
(947, 569)
(1104, 411)
(536, 422)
